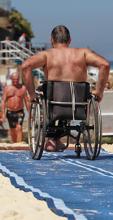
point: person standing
(13, 99)
(22, 40)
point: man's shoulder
(84, 50)
(8, 87)
(22, 86)
(67, 50)
(78, 49)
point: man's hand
(2, 118)
(98, 95)
(33, 97)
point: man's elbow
(24, 66)
(107, 67)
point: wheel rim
(34, 126)
(41, 130)
(90, 134)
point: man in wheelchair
(63, 63)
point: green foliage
(20, 24)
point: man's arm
(27, 101)
(92, 59)
(33, 62)
(3, 104)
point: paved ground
(76, 188)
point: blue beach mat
(73, 188)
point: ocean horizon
(111, 65)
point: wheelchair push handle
(96, 98)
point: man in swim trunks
(61, 63)
(13, 100)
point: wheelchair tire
(30, 121)
(37, 128)
(99, 131)
(93, 131)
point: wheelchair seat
(67, 100)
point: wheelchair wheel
(93, 130)
(99, 131)
(37, 128)
(30, 122)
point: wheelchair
(54, 114)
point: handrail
(22, 48)
(12, 49)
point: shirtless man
(13, 100)
(61, 63)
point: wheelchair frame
(40, 128)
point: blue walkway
(75, 188)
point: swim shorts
(15, 117)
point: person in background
(13, 99)
(22, 40)
(62, 63)
(7, 38)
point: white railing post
(13, 50)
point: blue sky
(90, 21)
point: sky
(90, 21)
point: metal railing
(12, 50)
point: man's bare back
(62, 63)
(66, 64)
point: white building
(5, 4)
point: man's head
(60, 34)
(15, 78)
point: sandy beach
(18, 205)
(108, 147)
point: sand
(108, 147)
(16, 204)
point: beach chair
(65, 109)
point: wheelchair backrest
(67, 100)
